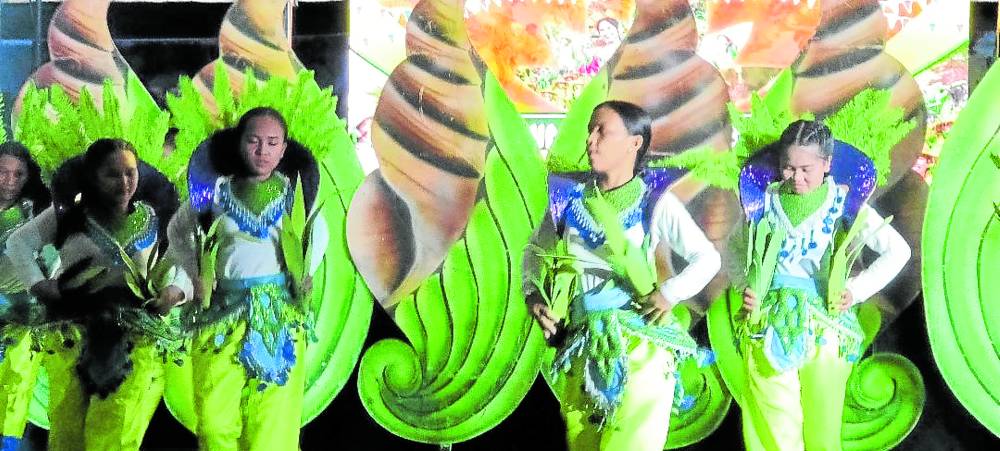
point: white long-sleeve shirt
(882, 238)
(240, 255)
(24, 245)
(671, 223)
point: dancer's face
(610, 146)
(262, 145)
(13, 176)
(117, 178)
(803, 168)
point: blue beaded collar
(579, 218)
(142, 239)
(256, 225)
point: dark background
(162, 41)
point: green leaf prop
(764, 242)
(207, 248)
(846, 249)
(340, 300)
(569, 151)
(473, 350)
(961, 248)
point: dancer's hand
(846, 301)
(655, 308)
(749, 300)
(545, 318)
(168, 298)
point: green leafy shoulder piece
(55, 129)
(867, 121)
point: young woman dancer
(622, 344)
(105, 370)
(800, 352)
(250, 339)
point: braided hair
(806, 133)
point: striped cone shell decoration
(430, 136)
(81, 51)
(657, 68)
(254, 35)
(846, 56)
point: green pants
(117, 422)
(237, 413)
(796, 410)
(18, 371)
(642, 420)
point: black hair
(637, 123)
(78, 176)
(34, 189)
(228, 161)
(296, 163)
(806, 133)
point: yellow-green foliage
(54, 128)
(309, 111)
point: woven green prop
(961, 243)
(885, 392)
(339, 300)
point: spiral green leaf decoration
(473, 350)
(712, 402)
(961, 249)
(345, 306)
(885, 398)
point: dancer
(103, 360)
(22, 196)
(621, 345)
(799, 339)
(251, 329)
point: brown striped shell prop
(254, 35)
(81, 51)
(430, 136)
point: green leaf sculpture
(961, 251)
(473, 350)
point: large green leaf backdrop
(962, 256)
